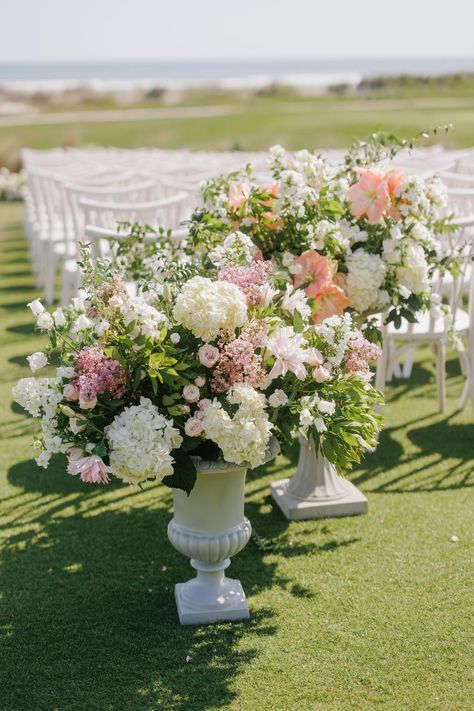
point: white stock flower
(242, 437)
(140, 440)
(37, 360)
(237, 248)
(30, 393)
(205, 307)
(147, 320)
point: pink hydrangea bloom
(248, 279)
(360, 353)
(98, 374)
(238, 363)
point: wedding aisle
(346, 613)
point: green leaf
(184, 474)
(297, 322)
(137, 376)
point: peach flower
(369, 196)
(316, 272)
(394, 179)
(238, 195)
(331, 300)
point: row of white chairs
(66, 189)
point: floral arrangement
(11, 185)
(359, 236)
(199, 360)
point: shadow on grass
(88, 601)
(451, 468)
(88, 606)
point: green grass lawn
(353, 613)
(256, 124)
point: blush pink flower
(331, 300)
(208, 355)
(315, 272)
(286, 346)
(91, 469)
(369, 196)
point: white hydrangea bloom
(243, 437)
(140, 440)
(366, 274)
(413, 274)
(205, 307)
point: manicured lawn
(356, 613)
(256, 124)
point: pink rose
(204, 403)
(193, 427)
(191, 393)
(321, 374)
(74, 427)
(88, 404)
(92, 469)
(70, 392)
(200, 381)
(208, 355)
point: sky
(107, 30)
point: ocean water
(228, 73)
(216, 69)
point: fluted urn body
(209, 526)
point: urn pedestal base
(210, 596)
(317, 490)
(352, 503)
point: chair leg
(408, 364)
(440, 351)
(382, 364)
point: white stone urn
(317, 490)
(209, 526)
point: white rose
(37, 361)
